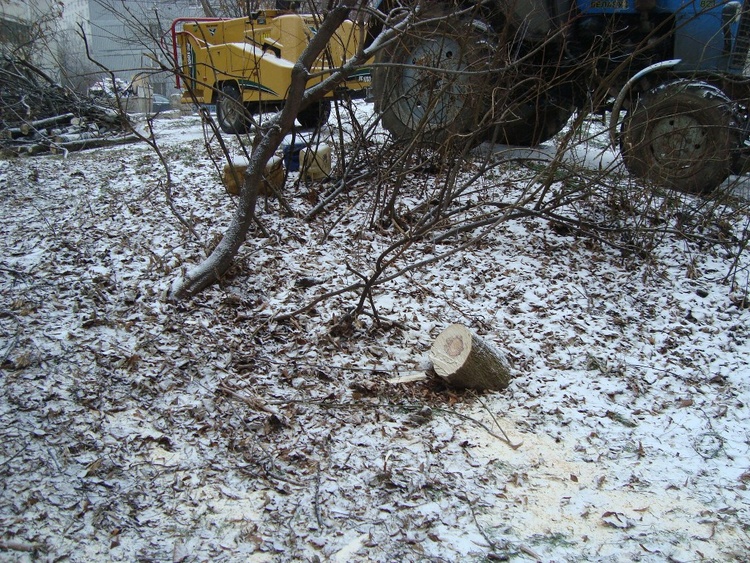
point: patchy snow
(136, 429)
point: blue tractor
(669, 73)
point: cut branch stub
(462, 359)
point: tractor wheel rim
(428, 92)
(679, 140)
(230, 110)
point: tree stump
(462, 359)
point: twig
(252, 402)
(14, 456)
(530, 552)
(492, 544)
(316, 499)
(492, 416)
(20, 546)
(482, 426)
(16, 337)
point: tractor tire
(230, 111)
(681, 135)
(315, 115)
(429, 82)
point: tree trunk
(464, 360)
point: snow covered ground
(136, 429)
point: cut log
(32, 149)
(12, 133)
(71, 137)
(464, 360)
(30, 126)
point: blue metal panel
(703, 37)
(700, 39)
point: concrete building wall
(74, 68)
(124, 36)
(27, 28)
(15, 10)
(15, 24)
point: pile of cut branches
(38, 115)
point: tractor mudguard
(625, 92)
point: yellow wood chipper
(243, 66)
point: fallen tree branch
(91, 143)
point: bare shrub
(441, 191)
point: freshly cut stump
(462, 359)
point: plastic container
(291, 155)
(273, 176)
(316, 162)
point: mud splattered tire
(230, 112)
(681, 135)
(428, 82)
(315, 115)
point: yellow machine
(244, 65)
